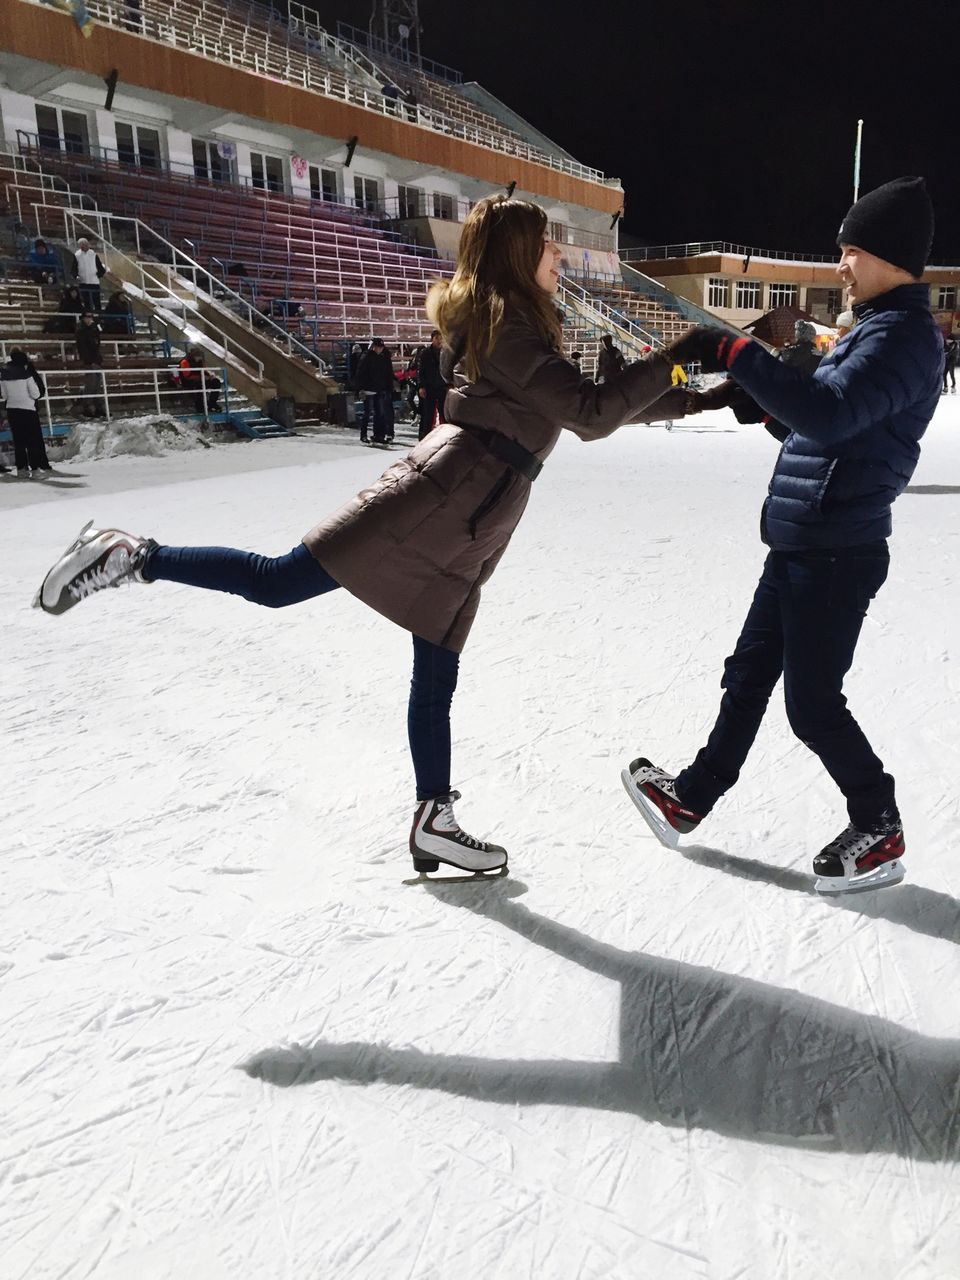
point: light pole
(856, 162)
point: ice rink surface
(235, 1045)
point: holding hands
(713, 349)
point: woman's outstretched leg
(273, 581)
(436, 835)
(100, 558)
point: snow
(151, 435)
(235, 1043)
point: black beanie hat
(893, 222)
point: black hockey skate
(653, 792)
(437, 837)
(858, 860)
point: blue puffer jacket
(853, 427)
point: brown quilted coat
(421, 541)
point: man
(431, 388)
(851, 435)
(44, 264)
(375, 380)
(87, 341)
(802, 353)
(88, 271)
(195, 378)
(610, 360)
(950, 363)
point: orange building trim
(49, 36)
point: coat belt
(507, 450)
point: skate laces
(664, 781)
(847, 839)
(116, 569)
(851, 836)
(446, 822)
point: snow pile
(151, 435)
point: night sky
(728, 121)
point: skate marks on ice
(925, 911)
(698, 1049)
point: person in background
(419, 544)
(206, 387)
(44, 263)
(21, 240)
(431, 387)
(610, 362)
(576, 357)
(845, 322)
(950, 362)
(87, 342)
(850, 434)
(21, 387)
(88, 271)
(375, 381)
(117, 318)
(407, 378)
(802, 353)
(68, 313)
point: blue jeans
(380, 403)
(804, 623)
(277, 581)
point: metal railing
(653, 289)
(606, 318)
(304, 21)
(359, 214)
(189, 274)
(252, 52)
(366, 40)
(106, 397)
(25, 164)
(696, 248)
(149, 276)
(65, 350)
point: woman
(420, 542)
(20, 388)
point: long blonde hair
(500, 249)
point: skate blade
(37, 601)
(651, 815)
(883, 877)
(472, 877)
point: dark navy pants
(804, 623)
(277, 581)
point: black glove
(713, 349)
(728, 395)
(722, 396)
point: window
(138, 145)
(366, 194)
(214, 161)
(411, 202)
(266, 172)
(749, 295)
(323, 184)
(560, 233)
(718, 292)
(834, 302)
(947, 297)
(443, 206)
(62, 130)
(783, 295)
